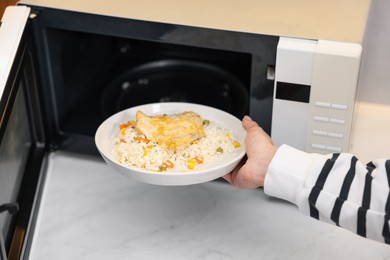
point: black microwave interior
(96, 76)
(93, 66)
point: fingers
(247, 123)
(230, 177)
(243, 178)
(251, 171)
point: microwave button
(323, 104)
(335, 135)
(333, 149)
(321, 118)
(339, 106)
(318, 146)
(337, 121)
(320, 132)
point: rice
(133, 150)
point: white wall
(371, 132)
(374, 82)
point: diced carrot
(141, 138)
(168, 164)
(125, 125)
(199, 159)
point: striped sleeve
(334, 188)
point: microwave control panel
(314, 96)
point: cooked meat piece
(172, 131)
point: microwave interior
(95, 76)
(92, 66)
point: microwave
(66, 66)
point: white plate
(203, 173)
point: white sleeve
(334, 188)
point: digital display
(293, 92)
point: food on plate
(176, 142)
(170, 131)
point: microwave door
(21, 133)
(13, 24)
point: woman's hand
(260, 150)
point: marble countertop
(90, 212)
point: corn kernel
(236, 144)
(191, 164)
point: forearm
(333, 188)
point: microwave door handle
(12, 208)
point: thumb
(248, 123)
